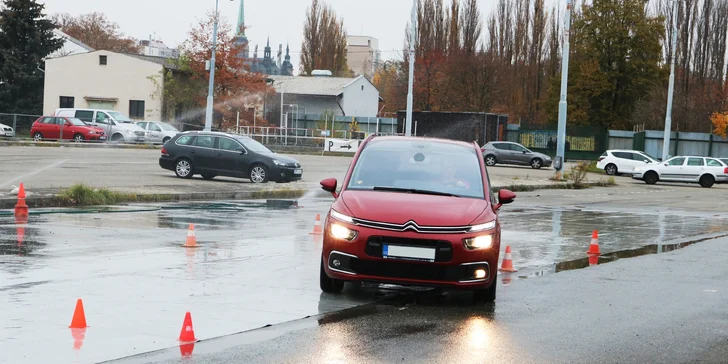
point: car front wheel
(486, 295)
(259, 174)
(536, 163)
(329, 285)
(490, 160)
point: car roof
(214, 133)
(431, 139)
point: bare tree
(324, 41)
(96, 31)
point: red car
(50, 127)
(414, 211)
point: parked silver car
(158, 131)
(513, 153)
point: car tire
(490, 160)
(536, 163)
(258, 173)
(78, 138)
(651, 177)
(329, 285)
(183, 168)
(486, 295)
(707, 181)
(611, 169)
(208, 176)
(117, 138)
(37, 136)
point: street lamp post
(561, 133)
(208, 111)
(413, 36)
(671, 88)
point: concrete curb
(52, 201)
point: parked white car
(619, 161)
(690, 169)
(158, 131)
(6, 131)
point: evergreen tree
(26, 38)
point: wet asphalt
(661, 308)
(258, 266)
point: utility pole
(413, 36)
(671, 88)
(208, 111)
(561, 134)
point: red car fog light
(478, 242)
(342, 232)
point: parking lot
(256, 265)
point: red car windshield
(76, 122)
(418, 166)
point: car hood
(425, 210)
(4, 126)
(542, 156)
(280, 157)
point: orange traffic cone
(188, 333)
(594, 246)
(21, 208)
(191, 239)
(507, 265)
(79, 317)
(186, 350)
(317, 228)
(593, 260)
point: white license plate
(102, 138)
(408, 253)
(9, 134)
(297, 171)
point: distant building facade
(363, 55)
(278, 66)
(157, 48)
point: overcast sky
(282, 20)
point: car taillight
(601, 159)
(164, 151)
(482, 149)
(725, 170)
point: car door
(671, 170)
(155, 132)
(623, 160)
(693, 169)
(230, 158)
(520, 154)
(503, 153)
(203, 153)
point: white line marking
(32, 173)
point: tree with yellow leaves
(720, 123)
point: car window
(85, 115)
(204, 141)
(73, 121)
(47, 120)
(502, 146)
(142, 125)
(168, 127)
(253, 145)
(184, 140)
(154, 127)
(419, 165)
(713, 162)
(518, 148)
(228, 144)
(102, 118)
(119, 117)
(622, 155)
(676, 161)
(641, 157)
(695, 162)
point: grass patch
(592, 168)
(279, 193)
(82, 195)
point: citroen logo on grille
(410, 225)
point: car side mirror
(242, 151)
(329, 185)
(504, 197)
(525, 152)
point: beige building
(105, 80)
(363, 55)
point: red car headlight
(478, 242)
(342, 232)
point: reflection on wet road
(255, 266)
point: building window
(67, 102)
(136, 109)
(102, 60)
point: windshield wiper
(413, 190)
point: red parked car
(50, 127)
(414, 211)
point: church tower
(240, 38)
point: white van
(119, 127)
